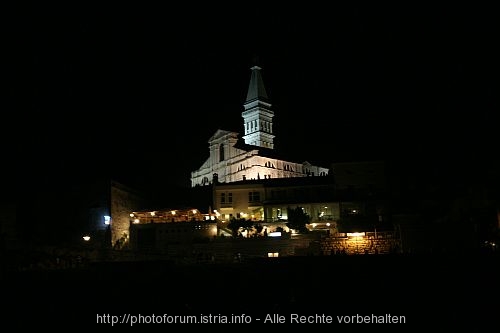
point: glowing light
(153, 213)
(314, 225)
(273, 254)
(328, 224)
(131, 214)
(355, 234)
(107, 219)
(275, 234)
(86, 238)
(212, 218)
(194, 211)
(136, 221)
(173, 212)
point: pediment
(222, 134)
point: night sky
(134, 93)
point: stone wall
(123, 202)
(225, 249)
(370, 243)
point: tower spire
(257, 117)
(256, 89)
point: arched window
(221, 152)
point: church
(252, 156)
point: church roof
(270, 152)
(288, 182)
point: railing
(369, 235)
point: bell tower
(258, 116)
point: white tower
(258, 116)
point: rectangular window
(230, 197)
(253, 196)
(223, 198)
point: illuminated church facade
(251, 156)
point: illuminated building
(252, 156)
(348, 208)
(160, 229)
(267, 202)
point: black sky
(136, 92)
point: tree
(258, 228)
(297, 219)
(236, 224)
